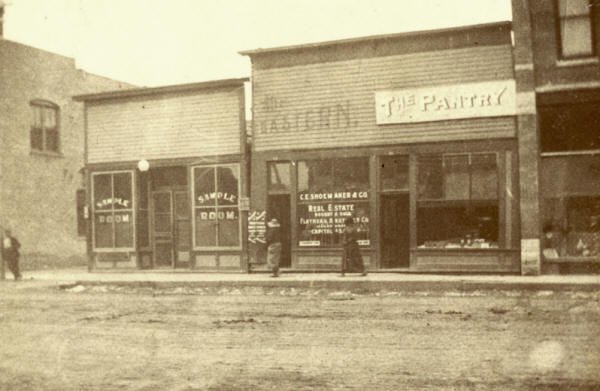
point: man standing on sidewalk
(273, 246)
(10, 253)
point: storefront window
(458, 201)
(329, 191)
(113, 210)
(571, 206)
(216, 212)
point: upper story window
(575, 19)
(44, 126)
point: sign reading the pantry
(438, 103)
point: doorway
(162, 229)
(395, 230)
(279, 208)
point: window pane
(350, 175)
(36, 115)
(51, 140)
(457, 225)
(394, 172)
(49, 118)
(279, 176)
(227, 185)
(102, 192)
(204, 186)
(573, 7)
(321, 224)
(206, 225)
(456, 177)
(229, 223)
(36, 139)
(315, 176)
(123, 196)
(484, 177)
(103, 230)
(430, 177)
(576, 34)
(123, 222)
(182, 206)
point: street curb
(354, 286)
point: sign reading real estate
(438, 103)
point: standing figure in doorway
(10, 253)
(273, 246)
(352, 261)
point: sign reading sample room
(438, 103)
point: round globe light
(143, 165)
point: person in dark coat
(273, 246)
(10, 253)
(352, 261)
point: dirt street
(185, 338)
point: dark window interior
(570, 127)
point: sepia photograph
(230, 195)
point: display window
(571, 206)
(329, 191)
(216, 206)
(113, 210)
(458, 205)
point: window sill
(35, 152)
(571, 153)
(577, 62)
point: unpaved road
(112, 338)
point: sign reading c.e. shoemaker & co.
(438, 103)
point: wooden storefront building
(166, 173)
(413, 135)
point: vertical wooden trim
(374, 223)
(244, 181)
(508, 168)
(85, 133)
(293, 210)
(90, 221)
(504, 206)
(413, 194)
(192, 221)
(136, 196)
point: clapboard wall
(165, 126)
(323, 96)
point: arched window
(44, 134)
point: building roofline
(374, 38)
(133, 92)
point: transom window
(44, 134)
(575, 19)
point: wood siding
(332, 104)
(162, 127)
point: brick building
(556, 53)
(41, 149)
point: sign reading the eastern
(438, 103)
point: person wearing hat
(10, 253)
(273, 246)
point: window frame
(41, 104)
(559, 35)
(469, 203)
(332, 160)
(112, 210)
(215, 207)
